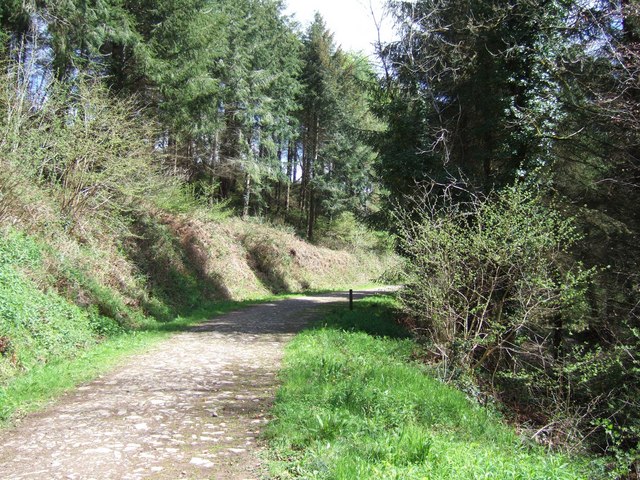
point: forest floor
(192, 407)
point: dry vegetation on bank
(97, 238)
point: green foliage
(508, 91)
(78, 31)
(195, 199)
(336, 120)
(225, 77)
(108, 313)
(488, 274)
(14, 18)
(354, 405)
(346, 232)
(88, 151)
(473, 85)
(231, 85)
(16, 248)
(188, 42)
(494, 288)
(35, 326)
(607, 382)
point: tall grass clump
(354, 404)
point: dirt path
(192, 407)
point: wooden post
(350, 299)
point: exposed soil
(192, 407)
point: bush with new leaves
(491, 279)
(91, 153)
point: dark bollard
(350, 299)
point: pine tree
(478, 79)
(335, 121)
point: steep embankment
(61, 293)
(248, 259)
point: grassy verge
(42, 384)
(354, 405)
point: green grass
(353, 405)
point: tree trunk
(313, 162)
(311, 215)
(247, 196)
(304, 182)
(215, 155)
(291, 154)
(278, 199)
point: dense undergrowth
(505, 310)
(354, 404)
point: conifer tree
(335, 119)
(478, 78)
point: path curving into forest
(191, 407)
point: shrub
(488, 273)
(91, 152)
(501, 303)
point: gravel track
(191, 407)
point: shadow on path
(283, 316)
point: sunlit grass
(353, 405)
